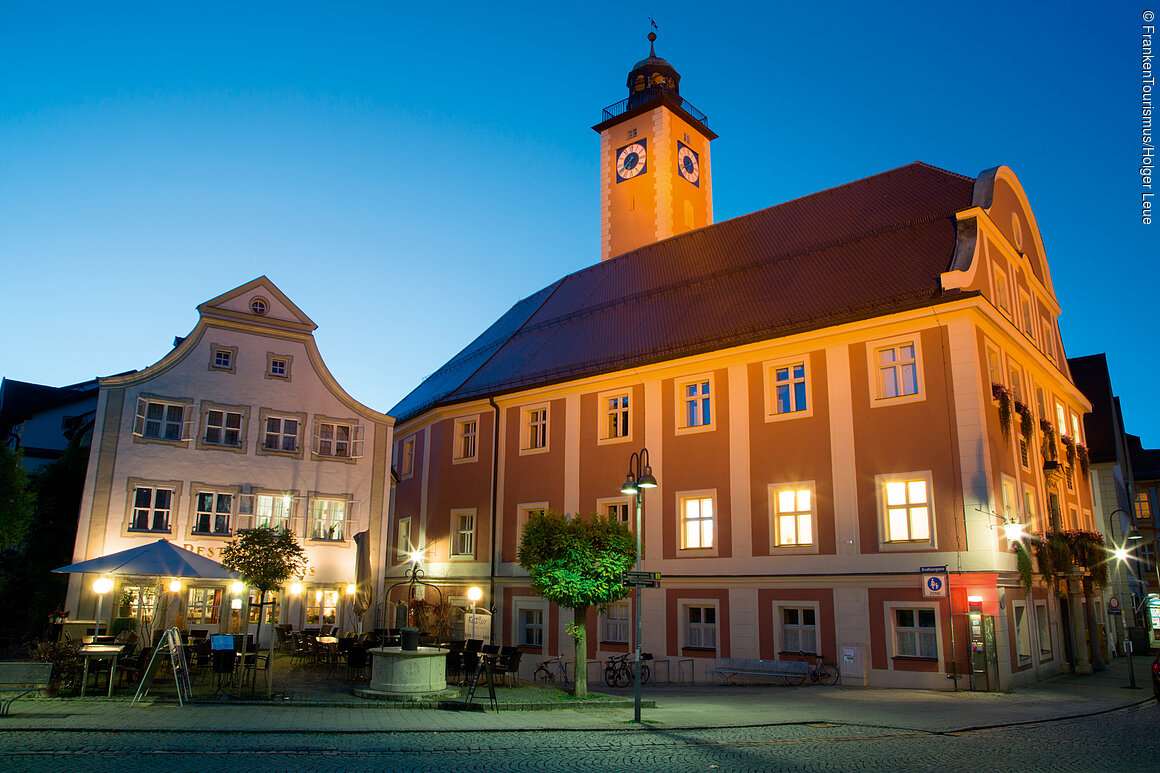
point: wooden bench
(790, 672)
(23, 679)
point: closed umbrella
(364, 594)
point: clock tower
(654, 161)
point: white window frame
(704, 381)
(281, 513)
(523, 512)
(272, 360)
(407, 458)
(1047, 341)
(880, 486)
(1002, 290)
(317, 601)
(994, 365)
(623, 504)
(1008, 499)
(222, 358)
(780, 637)
(689, 641)
(403, 544)
(535, 432)
(463, 539)
(772, 405)
(1043, 632)
(714, 521)
(1022, 633)
(465, 439)
(615, 630)
(213, 512)
(1030, 510)
(265, 416)
(775, 515)
(151, 509)
(891, 608)
(620, 415)
(877, 384)
(223, 428)
(321, 513)
(142, 422)
(1027, 311)
(329, 442)
(202, 598)
(519, 605)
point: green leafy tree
(265, 558)
(16, 499)
(576, 563)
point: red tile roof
(866, 248)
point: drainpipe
(494, 514)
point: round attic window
(258, 305)
(1017, 231)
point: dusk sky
(405, 174)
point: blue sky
(405, 175)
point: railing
(647, 95)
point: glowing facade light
(175, 586)
(102, 585)
(1121, 554)
(295, 588)
(975, 599)
(474, 594)
(235, 603)
(237, 587)
(350, 589)
(416, 556)
(1013, 531)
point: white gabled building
(240, 425)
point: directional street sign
(640, 579)
(934, 582)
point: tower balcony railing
(648, 95)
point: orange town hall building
(816, 387)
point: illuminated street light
(639, 479)
(101, 586)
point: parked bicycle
(827, 673)
(545, 671)
(618, 670)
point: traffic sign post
(934, 582)
(640, 579)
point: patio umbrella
(160, 559)
(364, 594)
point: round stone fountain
(396, 672)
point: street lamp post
(1121, 553)
(639, 478)
(474, 594)
(101, 586)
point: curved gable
(999, 193)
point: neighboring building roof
(20, 399)
(859, 250)
(1145, 461)
(1091, 375)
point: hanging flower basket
(1069, 445)
(1085, 463)
(1003, 396)
(1026, 420)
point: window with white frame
(1010, 503)
(535, 428)
(994, 368)
(530, 622)
(696, 521)
(696, 403)
(1029, 511)
(466, 431)
(321, 606)
(1048, 339)
(273, 606)
(328, 518)
(897, 370)
(223, 428)
(700, 627)
(223, 357)
(915, 633)
(616, 622)
(337, 439)
(203, 606)
(526, 511)
(463, 536)
(1022, 632)
(793, 514)
(281, 434)
(788, 387)
(799, 630)
(272, 511)
(905, 505)
(407, 466)
(1001, 290)
(614, 416)
(1028, 319)
(1044, 630)
(152, 509)
(1016, 381)
(160, 420)
(403, 545)
(212, 513)
(619, 510)
(278, 366)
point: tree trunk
(580, 638)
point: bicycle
(544, 673)
(827, 673)
(618, 672)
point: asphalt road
(1125, 740)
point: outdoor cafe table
(331, 645)
(101, 652)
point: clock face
(630, 161)
(688, 164)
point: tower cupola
(651, 75)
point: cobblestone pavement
(1124, 740)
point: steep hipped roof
(1091, 375)
(858, 250)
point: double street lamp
(640, 478)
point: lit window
(535, 428)
(273, 606)
(463, 540)
(465, 437)
(696, 522)
(203, 606)
(799, 630)
(213, 510)
(701, 627)
(403, 545)
(789, 388)
(897, 371)
(223, 428)
(915, 635)
(152, 507)
(697, 407)
(793, 515)
(1143, 505)
(616, 622)
(615, 423)
(905, 502)
(281, 434)
(328, 519)
(273, 511)
(321, 606)
(162, 421)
